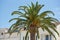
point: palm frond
(45, 13)
(36, 3)
(22, 7)
(52, 19)
(49, 31)
(17, 19)
(38, 33)
(53, 28)
(38, 8)
(26, 35)
(12, 30)
(17, 12)
(32, 5)
(13, 19)
(19, 30)
(11, 26)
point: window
(23, 38)
(1, 33)
(28, 37)
(36, 37)
(48, 37)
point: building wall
(43, 35)
(7, 36)
(58, 29)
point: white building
(44, 35)
(6, 36)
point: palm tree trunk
(32, 36)
(32, 32)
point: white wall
(5, 36)
(22, 34)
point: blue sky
(8, 6)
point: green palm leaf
(26, 35)
(45, 13)
(49, 31)
(17, 12)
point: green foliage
(31, 15)
(26, 35)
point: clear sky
(8, 6)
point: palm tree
(30, 18)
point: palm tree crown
(31, 18)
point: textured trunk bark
(32, 36)
(32, 32)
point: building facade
(7, 36)
(44, 35)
